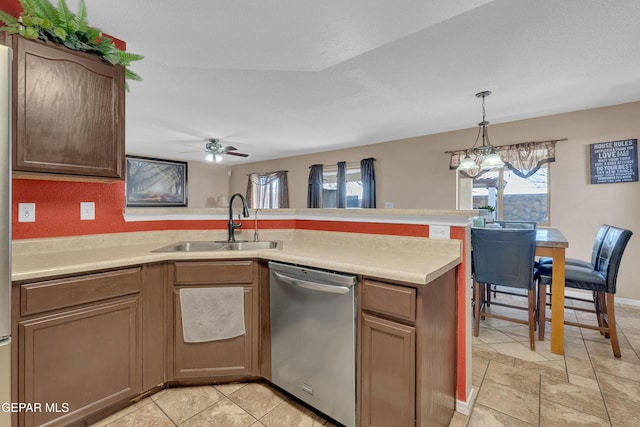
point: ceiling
(280, 78)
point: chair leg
(489, 295)
(483, 299)
(476, 308)
(542, 310)
(600, 308)
(532, 319)
(603, 313)
(611, 320)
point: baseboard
(628, 301)
(622, 301)
(466, 407)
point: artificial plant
(40, 19)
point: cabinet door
(79, 361)
(388, 373)
(68, 111)
(233, 356)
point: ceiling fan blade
(227, 149)
(231, 153)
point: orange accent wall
(58, 210)
(58, 214)
(12, 7)
(365, 227)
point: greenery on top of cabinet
(41, 20)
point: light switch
(388, 205)
(26, 212)
(87, 210)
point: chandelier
(491, 159)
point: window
(514, 198)
(268, 190)
(330, 187)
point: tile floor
(515, 386)
(229, 405)
(585, 387)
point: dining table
(550, 242)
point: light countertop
(414, 260)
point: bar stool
(600, 279)
(504, 257)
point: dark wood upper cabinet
(68, 111)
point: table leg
(557, 301)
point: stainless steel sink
(204, 246)
(250, 246)
(191, 247)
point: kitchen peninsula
(408, 290)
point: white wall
(206, 183)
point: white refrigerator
(5, 233)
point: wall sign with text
(614, 161)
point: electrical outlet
(439, 232)
(26, 212)
(87, 210)
(388, 205)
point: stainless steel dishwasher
(313, 338)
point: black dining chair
(597, 244)
(523, 225)
(504, 257)
(600, 278)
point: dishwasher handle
(315, 286)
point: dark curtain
(341, 194)
(314, 196)
(368, 183)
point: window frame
(467, 192)
(332, 171)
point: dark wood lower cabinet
(74, 361)
(233, 357)
(388, 373)
(80, 361)
(154, 325)
(407, 353)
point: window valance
(524, 158)
(268, 190)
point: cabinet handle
(320, 287)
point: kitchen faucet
(245, 212)
(256, 237)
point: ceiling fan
(215, 150)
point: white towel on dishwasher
(210, 314)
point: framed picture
(155, 182)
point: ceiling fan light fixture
(217, 157)
(209, 157)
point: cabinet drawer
(227, 272)
(52, 294)
(393, 300)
